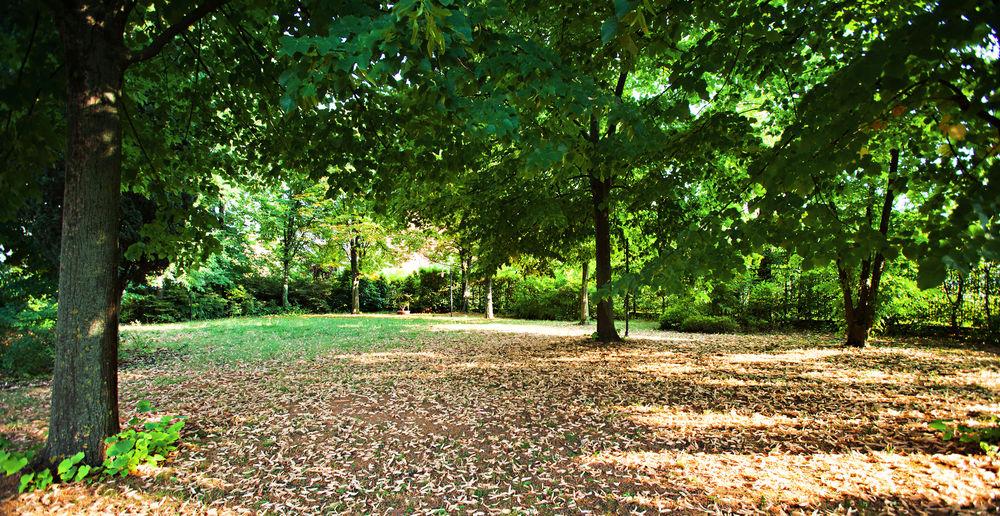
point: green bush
(709, 324)
(35, 314)
(29, 354)
(675, 314)
(545, 298)
(209, 305)
(142, 443)
(241, 302)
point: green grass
(252, 339)
(292, 337)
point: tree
(85, 387)
(292, 219)
(917, 135)
(104, 115)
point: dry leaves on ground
(514, 417)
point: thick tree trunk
(858, 329)
(355, 277)
(584, 280)
(84, 406)
(600, 191)
(489, 297)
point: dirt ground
(517, 418)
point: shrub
(709, 324)
(29, 354)
(208, 305)
(35, 314)
(545, 298)
(241, 302)
(675, 314)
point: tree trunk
(489, 297)
(355, 277)
(600, 191)
(860, 316)
(584, 279)
(285, 272)
(956, 305)
(84, 407)
(628, 292)
(858, 329)
(466, 294)
(986, 297)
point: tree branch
(167, 35)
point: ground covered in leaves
(400, 414)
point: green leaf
(26, 480)
(81, 472)
(608, 30)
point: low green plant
(12, 462)
(709, 324)
(986, 437)
(142, 443)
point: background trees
(777, 163)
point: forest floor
(427, 414)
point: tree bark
(355, 276)
(600, 192)
(489, 297)
(84, 407)
(955, 307)
(285, 272)
(860, 315)
(584, 279)
(464, 260)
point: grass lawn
(383, 413)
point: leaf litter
(517, 418)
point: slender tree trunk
(986, 297)
(584, 280)
(355, 277)
(285, 272)
(489, 297)
(466, 293)
(860, 316)
(956, 305)
(284, 291)
(628, 302)
(601, 192)
(84, 407)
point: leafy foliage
(142, 443)
(985, 436)
(709, 324)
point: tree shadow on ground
(479, 419)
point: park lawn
(376, 413)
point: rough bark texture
(355, 276)
(600, 191)
(584, 279)
(489, 297)
(84, 406)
